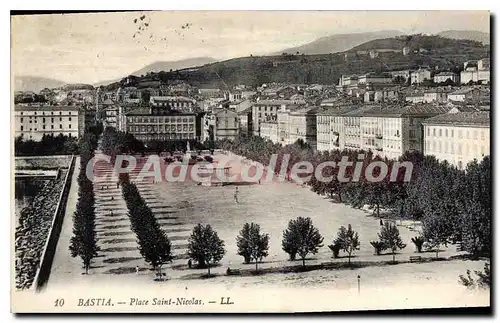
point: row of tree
(154, 245)
(454, 205)
(48, 145)
(83, 243)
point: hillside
(416, 42)
(166, 66)
(327, 68)
(466, 34)
(338, 43)
(35, 83)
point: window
(60, 119)
(43, 120)
(434, 132)
(22, 128)
(60, 126)
(451, 133)
(21, 119)
(69, 119)
(69, 126)
(446, 132)
(60, 112)
(440, 132)
(51, 126)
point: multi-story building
(302, 126)
(468, 94)
(32, 122)
(211, 93)
(330, 128)
(445, 76)
(392, 131)
(458, 137)
(436, 95)
(111, 116)
(226, 124)
(404, 74)
(179, 103)
(387, 130)
(375, 79)
(420, 76)
(158, 123)
(476, 71)
(245, 118)
(269, 130)
(263, 110)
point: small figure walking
(117, 184)
(112, 198)
(236, 195)
(381, 222)
(190, 264)
(137, 270)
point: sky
(95, 47)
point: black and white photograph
(250, 161)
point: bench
(415, 258)
(231, 272)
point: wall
(43, 273)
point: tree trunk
(393, 256)
(159, 270)
(340, 197)
(437, 252)
(349, 258)
(208, 265)
(256, 269)
(304, 262)
(378, 211)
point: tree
(252, 245)
(243, 243)
(348, 239)
(483, 280)
(301, 237)
(418, 242)
(389, 236)
(205, 246)
(436, 231)
(156, 249)
(379, 246)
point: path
(65, 267)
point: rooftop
(46, 108)
(477, 118)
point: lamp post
(359, 280)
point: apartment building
(180, 103)
(269, 130)
(264, 110)
(158, 123)
(226, 124)
(420, 75)
(32, 122)
(458, 137)
(446, 76)
(330, 128)
(302, 126)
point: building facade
(155, 123)
(458, 137)
(226, 125)
(32, 122)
